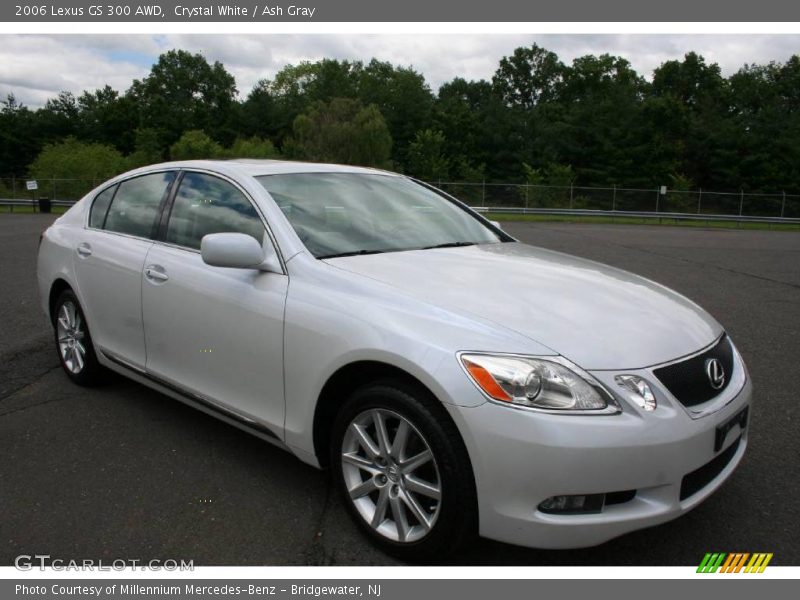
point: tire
(74, 342)
(418, 524)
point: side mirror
(237, 251)
(496, 224)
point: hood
(597, 316)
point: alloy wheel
(71, 334)
(391, 475)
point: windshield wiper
(352, 253)
(449, 245)
(362, 252)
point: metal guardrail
(10, 203)
(584, 212)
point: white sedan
(455, 380)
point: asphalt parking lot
(124, 472)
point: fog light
(639, 391)
(578, 504)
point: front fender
(334, 318)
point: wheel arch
(345, 381)
(58, 286)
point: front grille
(700, 478)
(688, 381)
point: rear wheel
(403, 472)
(74, 342)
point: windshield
(340, 214)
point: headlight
(535, 383)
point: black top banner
(406, 11)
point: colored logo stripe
(734, 562)
(711, 562)
(758, 563)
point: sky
(37, 67)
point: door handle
(84, 250)
(155, 273)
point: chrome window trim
(176, 246)
(177, 171)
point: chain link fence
(69, 190)
(520, 196)
(700, 202)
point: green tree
(196, 144)
(331, 79)
(679, 197)
(766, 107)
(57, 119)
(287, 96)
(259, 113)
(549, 186)
(596, 117)
(528, 77)
(147, 149)
(317, 81)
(483, 138)
(400, 93)
(342, 131)
(253, 147)
(20, 138)
(403, 98)
(705, 133)
(78, 165)
(107, 117)
(426, 156)
(184, 92)
(294, 89)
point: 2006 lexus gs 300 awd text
(455, 381)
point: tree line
(594, 122)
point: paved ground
(123, 472)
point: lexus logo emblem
(715, 372)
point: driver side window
(207, 204)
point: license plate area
(740, 419)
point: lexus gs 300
(454, 380)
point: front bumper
(520, 458)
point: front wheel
(404, 472)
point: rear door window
(97, 215)
(135, 206)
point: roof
(256, 167)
